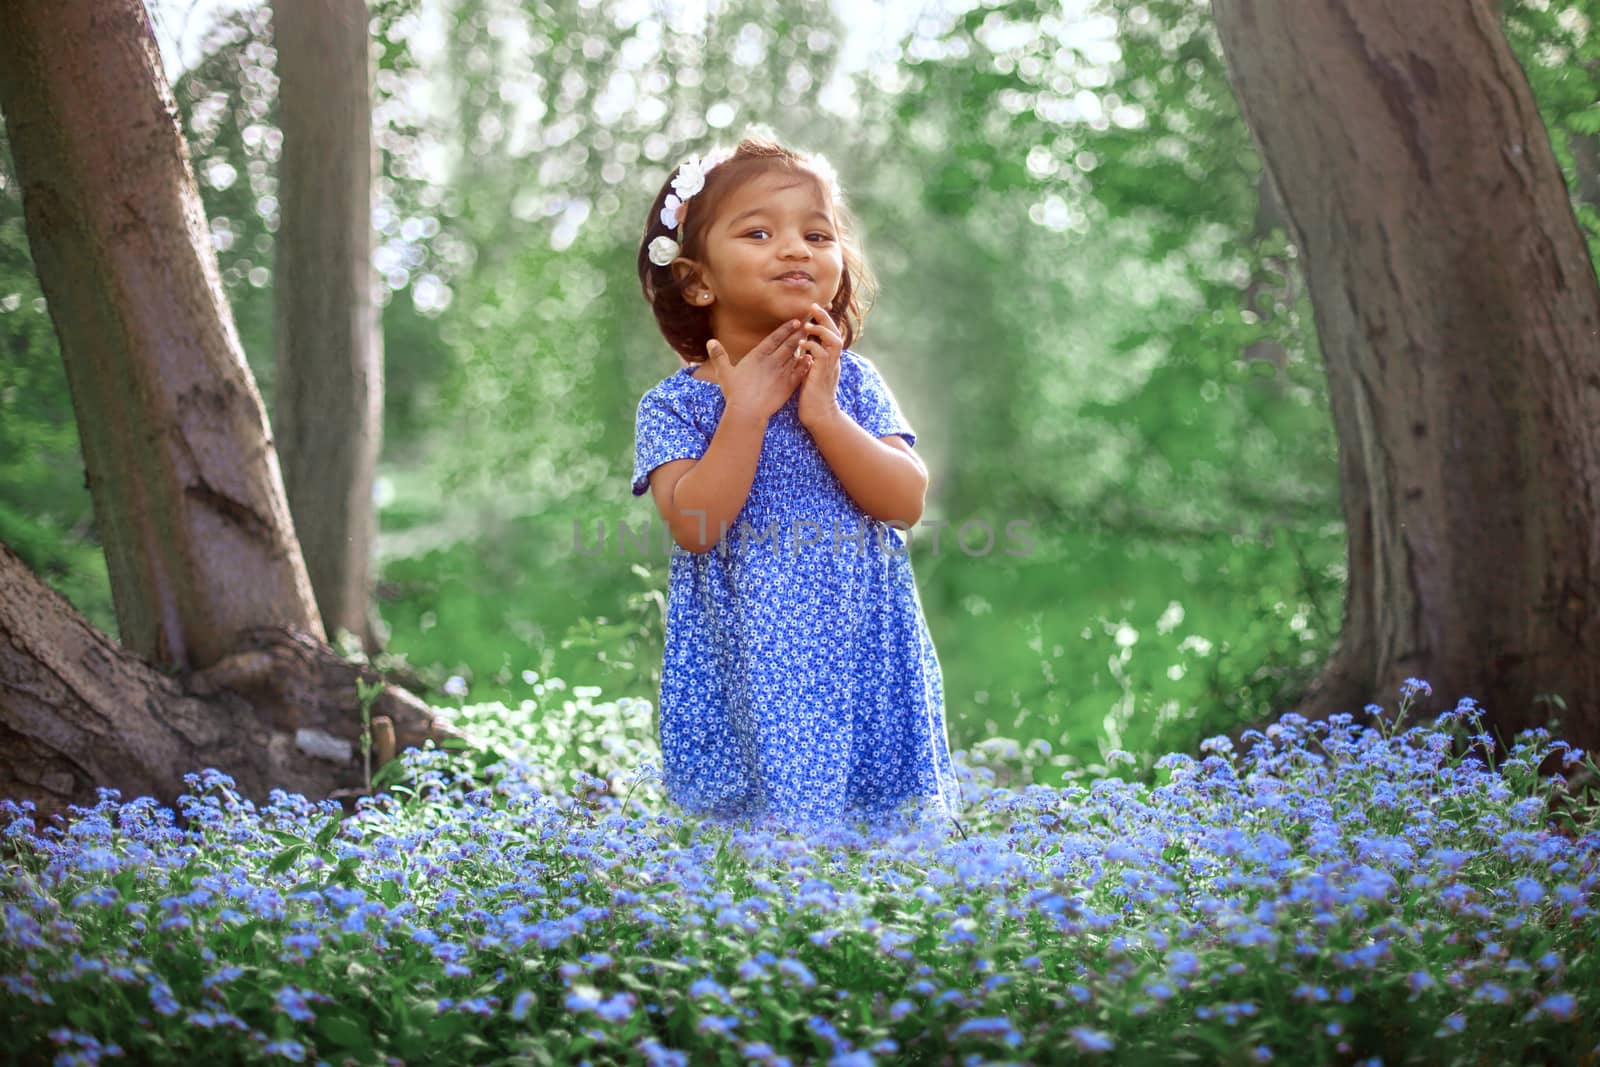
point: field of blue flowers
(1338, 894)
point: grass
(1338, 894)
(1093, 642)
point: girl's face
(772, 252)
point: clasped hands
(795, 354)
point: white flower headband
(690, 179)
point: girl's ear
(686, 272)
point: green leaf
(1587, 121)
(389, 773)
(345, 1030)
(325, 834)
(410, 1044)
(537, 1053)
(345, 873)
(659, 965)
(629, 980)
(389, 893)
(285, 859)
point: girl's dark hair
(687, 327)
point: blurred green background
(1087, 309)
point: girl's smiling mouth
(795, 277)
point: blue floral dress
(799, 678)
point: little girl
(799, 678)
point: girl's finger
(778, 339)
(826, 337)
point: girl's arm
(882, 475)
(700, 498)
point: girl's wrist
(827, 418)
(745, 417)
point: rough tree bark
(187, 495)
(1459, 316)
(77, 712)
(329, 396)
(222, 661)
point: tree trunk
(222, 661)
(1261, 295)
(329, 398)
(77, 712)
(1585, 148)
(187, 495)
(1586, 161)
(1459, 316)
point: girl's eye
(821, 236)
(752, 233)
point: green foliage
(1560, 52)
(44, 503)
(1091, 318)
(486, 597)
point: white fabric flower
(690, 179)
(663, 250)
(672, 212)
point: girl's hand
(764, 379)
(819, 351)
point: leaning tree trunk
(222, 661)
(1459, 316)
(77, 712)
(187, 495)
(329, 396)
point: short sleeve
(662, 432)
(875, 406)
